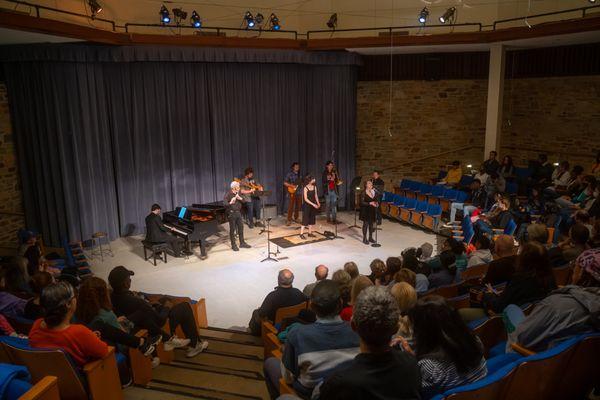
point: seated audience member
(542, 171)
(507, 169)
(421, 270)
(582, 217)
(6, 328)
(494, 185)
(10, 305)
(476, 199)
(405, 275)
(30, 249)
(56, 331)
(95, 311)
(538, 233)
(482, 254)
(454, 174)
(153, 317)
(351, 268)
(284, 295)
(532, 280)
(304, 317)
(572, 247)
(447, 352)
(379, 371)
(566, 312)
(443, 276)
(321, 273)
(358, 285)
(502, 268)
(460, 259)
(16, 281)
(156, 231)
(482, 176)
(595, 239)
(491, 165)
(33, 308)
(561, 177)
(497, 219)
(392, 265)
(342, 278)
(406, 296)
(377, 271)
(426, 252)
(313, 352)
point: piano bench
(155, 248)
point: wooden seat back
(45, 389)
(475, 271)
(491, 332)
(562, 275)
(578, 378)
(491, 391)
(288, 312)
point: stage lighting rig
(448, 15)
(259, 18)
(274, 23)
(179, 15)
(95, 8)
(165, 18)
(333, 21)
(195, 20)
(249, 20)
(423, 15)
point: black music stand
(355, 185)
(262, 196)
(268, 220)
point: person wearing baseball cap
(152, 317)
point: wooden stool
(155, 248)
(97, 238)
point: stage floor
(235, 283)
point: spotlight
(592, 1)
(195, 20)
(179, 15)
(332, 23)
(95, 8)
(448, 15)
(249, 20)
(164, 15)
(274, 22)
(259, 18)
(423, 15)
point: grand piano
(196, 223)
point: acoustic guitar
(292, 189)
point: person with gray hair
(321, 272)
(379, 371)
(284, 295)
(233, 202)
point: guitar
(249, 185)
(292, 189)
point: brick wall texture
(11, 201)
(434, 123)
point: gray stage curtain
(104, 132)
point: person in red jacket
(56, 331)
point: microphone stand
(376, 244)
(355, 210)
(269, 253)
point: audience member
(426, 252)
(575, 244)
(491, 165)
(494, 185)
(56, 331)
(561, 177)
(406, 275)
(351, 268)
(476, 199)
(454, 174)
(482, 176)
(393, 265)
(321, 273)
(542, 171)
(496, 219)
(153, 316)
(33, 308)
(10, 305)
(358, 285)
(421, 270)
(343, 279)
(448, 353)
(378, 372)
(284, 295)
(566, 312)
(313, 352)
(538, 233)
(377, 271)
(595, 170)
(94, 309)
(507, 169)
(406, 296)
(503, 267)
(482, 254)
(444, 276)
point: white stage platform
(235, 283)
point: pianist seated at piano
(157, 232)
(249, 189)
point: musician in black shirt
(379, 186)
(233, 205)
(156, 231)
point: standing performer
(379, 186)
(156, 231)
(233, 205)
(310, 207)
(330, 180)
(369, 203)
(292, 184)
(248, 187)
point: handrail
(473, 146)
(546, 151)
(582, 9)
(218, 29)
(58, 10)
(392, 28)
(12, 214)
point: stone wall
(436, 122)
(11, 200)
(429, 118)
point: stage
(235, 283)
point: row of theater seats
(98, 379)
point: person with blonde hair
(406, 296)
(378, 270)
(358, 285)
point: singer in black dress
(310, 206)
(369, 202)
